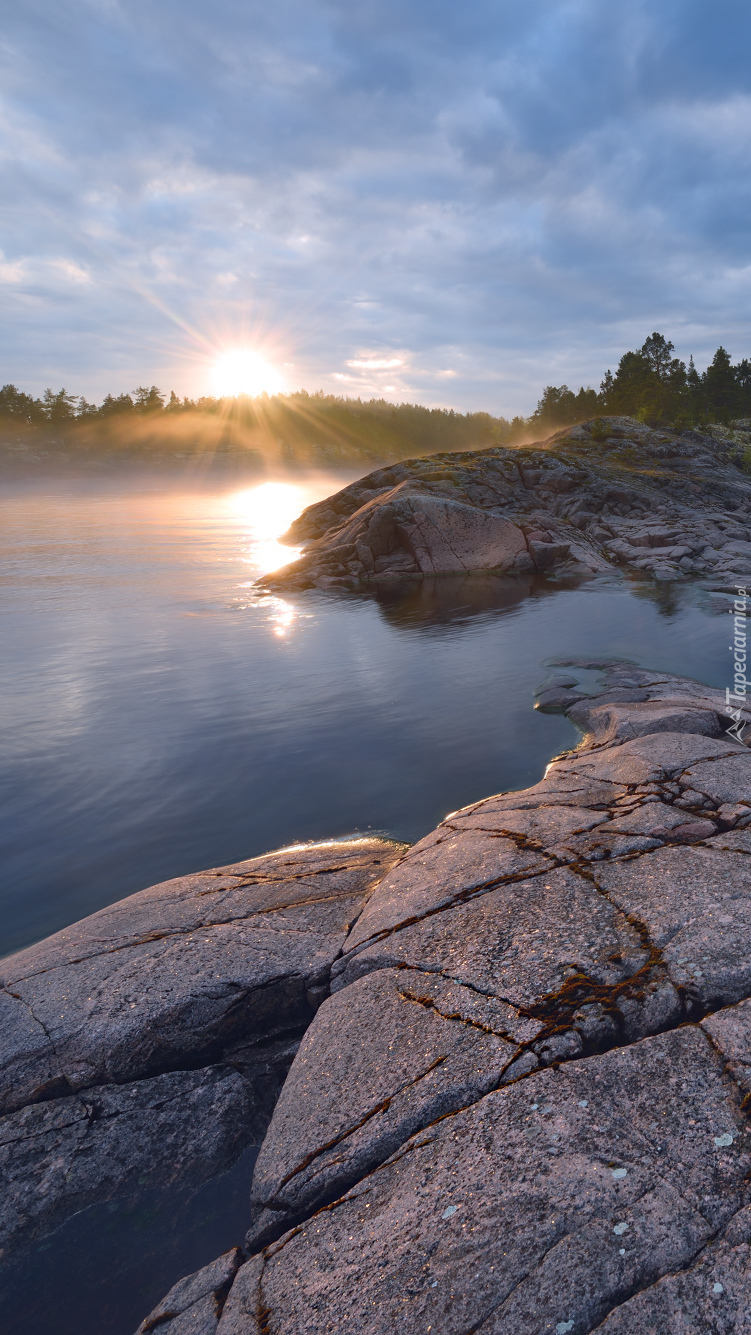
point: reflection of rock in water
(448, 599)
(451, 597)
(667, 597)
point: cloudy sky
(444, 202)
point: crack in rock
(522, 1090)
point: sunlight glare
(268, 510)
(243, 371)
(283, 615)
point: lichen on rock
(610, 492)
(520, 1095)
(524, 1105)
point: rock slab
(524, 1107)
(154, 1036)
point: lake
(159, 716)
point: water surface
(160, 717)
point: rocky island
(610, 491)
(502, 1078)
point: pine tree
(720, 384)
(60, 407)
(148, 400)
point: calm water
(160, 717)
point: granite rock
(524, 1104)
(446, 536)
(403, 1048)
(730, 1031)
(194, 1305)
(153, 1037)
(572, 504)
(695, 903)
(550, 1201)
(448, 867)
(711, 1295)
(519, 942)
(176, 975)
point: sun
(243, 371)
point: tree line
(302, 426)
(62, 408)
(649, 383)
(656, 387)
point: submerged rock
(193, 1305)
(64, 1155)
(154, 1036)
(667, 504)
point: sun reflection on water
(268, 511)
(282, 615)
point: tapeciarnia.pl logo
(735, 700)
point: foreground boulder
(607, 492)
(524, 1107)
(153, 1037)
(552, 1201)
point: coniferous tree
(59, 408)
(720, 384)
(86, 409)
(19, 407)
(122, 404)
(743, 380)
(656, 351)
(148, 400)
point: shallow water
(107, 1267)
(160, 717)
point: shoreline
(595, 804)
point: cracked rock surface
(154, 1036)
(552, 1200)
(193, 1305)
(524, 1106)
(610, 492)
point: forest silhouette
(320, 429)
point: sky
(438, 202)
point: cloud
(517, 193)
(377, 363)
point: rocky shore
(520, 1052)
(153, 1037)
(610, 492)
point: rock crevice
(507, 1077)
(524, 1105)
(155, 1035)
